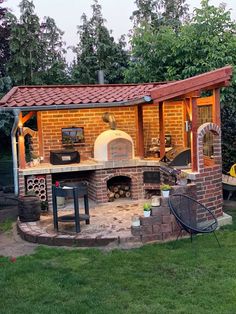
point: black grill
(179, 156)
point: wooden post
(161, 129)
(216, 106)
(21, 144)
(140, 133)
(194, 116)
(40, 134)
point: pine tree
(54, 68)
(97, 50)
(5, 81)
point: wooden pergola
(187, 92)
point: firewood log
(117, 195)
(111, 195)
(121, 192)
(127, 194)
(115, 189)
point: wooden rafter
(27, 117)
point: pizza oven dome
(113, 145)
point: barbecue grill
(179, 156)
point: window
(72, 136)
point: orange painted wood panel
(40, 134)
(205, 101)
(216, 106)
(161, 129)
(194, 152)
(140, 137)
(21, 145)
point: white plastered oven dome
(113, 145)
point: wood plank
(205, 101)
(40, 133)
(194, 117)
(185, 118)
(216, 107)
(21, 145)
(140, 135)
(199, 82)
(161, 129)
(27, 117)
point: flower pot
(146, 213)
(165, 194)
(182, 181)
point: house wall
(91, 120)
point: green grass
(197, 278)
(6, 225)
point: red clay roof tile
(31, 96)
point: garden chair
(75, 192)
(192, 216)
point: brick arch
(133, 178)
(216, 131)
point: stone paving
(110, 222)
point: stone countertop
(47, 168)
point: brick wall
(91, 121)
(209, 176)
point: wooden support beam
(162, 129)
(27, 117)
(216, 107)
(140, 133)
(185, 118)
(193, 117)
(21, 144)
(205, 101)
(40, 134)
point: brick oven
(110, 158)
(113, 145)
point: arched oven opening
(118, 188)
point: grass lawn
(197, 278)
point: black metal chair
(192, 216)
(76, 193)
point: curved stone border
(32, 233)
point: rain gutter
(14, 150)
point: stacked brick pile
(161, 225)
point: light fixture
(188, 126)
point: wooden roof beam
(208, 80)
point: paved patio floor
(108, 222)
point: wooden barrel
(29, 208)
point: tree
(37, 49)
(207, 42)
(54, 67)
(26, 47)
(5, 81)
(157, 13)
(97, 50)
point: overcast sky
(117, 13)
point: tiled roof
(35, 96)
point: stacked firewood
(118, 191)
